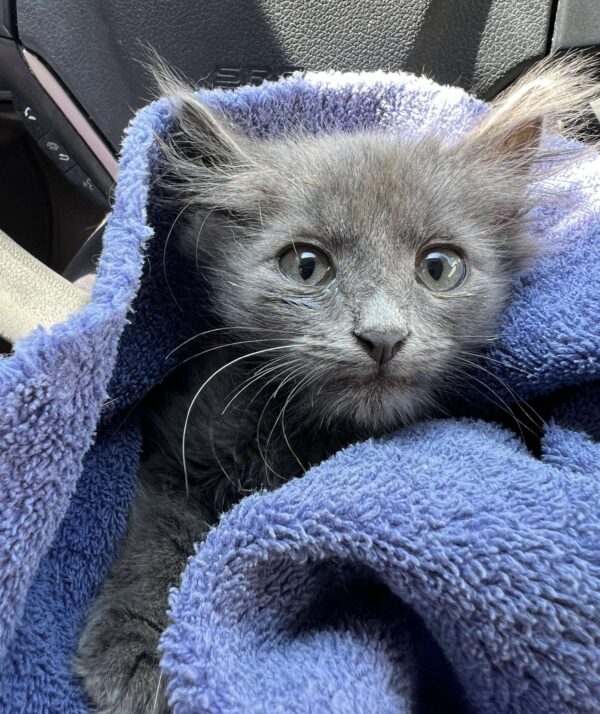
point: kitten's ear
(200, 133)
(205, 161)
(553, 96)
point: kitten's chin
(376, 406)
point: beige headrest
(31, 294)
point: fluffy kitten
(350, 274)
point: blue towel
(444, 563)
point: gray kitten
(351, 277)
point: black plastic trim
(27, 93)
(8, 26)
(577, 24)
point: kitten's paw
(119, 665)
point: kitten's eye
(441, 270)
(306, 265)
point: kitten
(350, 274)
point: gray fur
(372, 202)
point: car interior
(72, 74)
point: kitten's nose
(381, 346)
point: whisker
(503, 406)
(277, 376)
(216, 456)
(201, 389)
(495, 361)
(280, 371)
(291, 376)
(314, 374)
(252, 380)
(309, 341)
(177, 217)
(503, 403)
(262, 370)
(206, 217)
(229, 344)
(264, 409)
(236, 328)
(521, 403)
(481, 338)
(158, 686)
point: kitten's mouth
(375, 400)
(384, 377)
(379, 380)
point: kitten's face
(377, 270)
(371, 270)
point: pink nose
(381, 346)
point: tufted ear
(553, 96)
(206, 161)
(199, 130)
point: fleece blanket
(444, 568)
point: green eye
(441, 270)
(306, 265)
